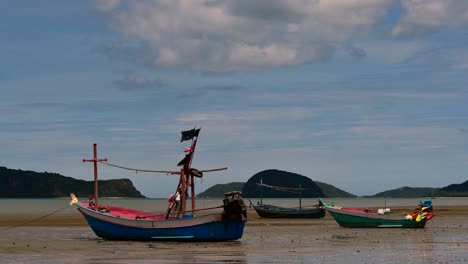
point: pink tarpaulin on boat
(128, 213)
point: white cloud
(221, 35)
(238, 35)
(266, 114)
(406, 138)
(274, 55)
(422, 147)
(137, 82)
(106, 5)
(393, 52)
(459, 59)
(424, 96)
(425, 16)
(202, 117)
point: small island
(30, 184)
(250, 189)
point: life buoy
(196, 173)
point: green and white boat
(363, 217)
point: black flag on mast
(189, 134)
(184, 160)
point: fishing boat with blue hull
(118, 223)
(177, 223)
(371, 218)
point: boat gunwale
(150, 223)
(368, 215)
(272, 208)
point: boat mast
(300, 197)
(190, 175)
(192, 178)
(187, 178)
(95, 160)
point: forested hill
(280, 179)
(30, 184)
(333, 192)
(408, 192)
(454, 190)
(218, 190)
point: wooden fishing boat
(363, 217)
(273, 211)
(120, 223)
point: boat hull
(204, 228)
(270, 211)
(372, 220)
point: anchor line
(34, 220)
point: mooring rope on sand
(34, 220)
(272, 226)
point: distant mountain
(30, 184)
(453, 190)
(219, 190)
(331, 191)
(281, 179)
(278, 177)
(408, 192)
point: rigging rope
(34, 220)
(155, 171)
(279, 188)
(284, 189)
(137, 170)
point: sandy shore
(66, 238)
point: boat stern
(234, 207)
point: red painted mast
(191, 179)
(95, 161)
(187, 178)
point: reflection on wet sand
(202, 252)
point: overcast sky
(366, 95)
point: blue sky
(366, 95)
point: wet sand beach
(66, 238)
